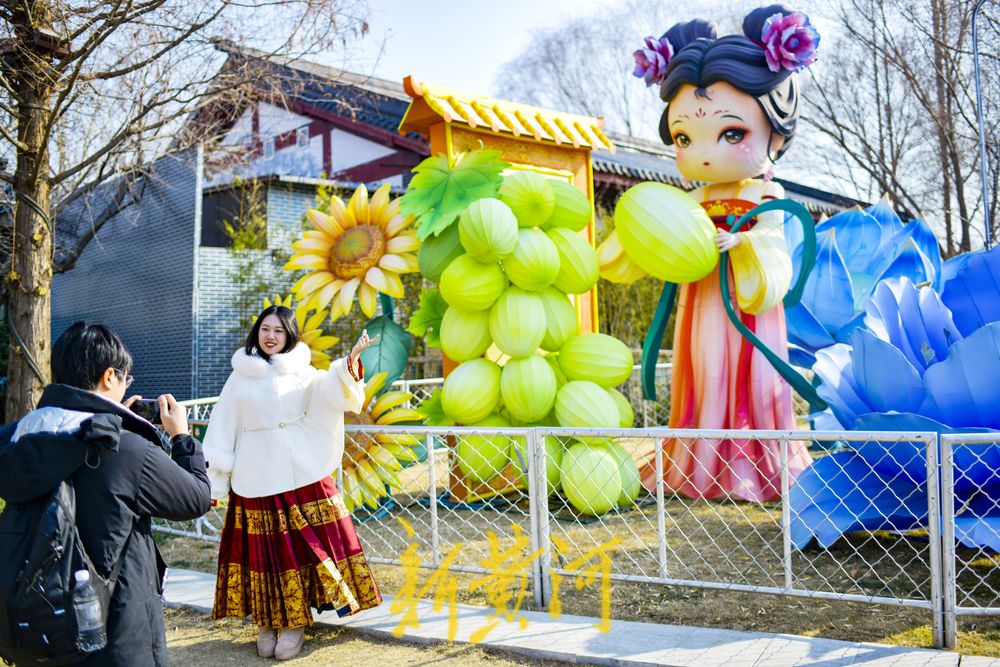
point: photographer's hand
(130, 400)
(173, 416)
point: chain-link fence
(452, 499)
(970, 512)
(711, 510)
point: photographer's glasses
(128, 378)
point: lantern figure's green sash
(654, 337)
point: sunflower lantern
(371, 460)
(359, 248)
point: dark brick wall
(172, 300)
(137, 275)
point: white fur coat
(278, 426)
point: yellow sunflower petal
(378, 206)
(335, 311)
(399, 263)
(395, 288)
(391, 212)
(367, 299)
(315, 234)
(327, 224)
(358, 206)
(320, 360)
(346, 296)
(405, 242)
(412, 263)
(338, 211)
(400, 415)
(320, 246)
(305, 261)
(323, 297)
(301, 314)
(286, 302)
(377, 279)
(389, 401)
(324, 342)
(376, 383)
(312, 282)
(316, 320)
(401, 439)
(398, 224)
(309, 336)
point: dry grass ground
(194, 639)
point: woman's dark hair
(701, 58)
(84, 351)
(287, 317)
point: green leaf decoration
(389, 353)
(426, 320)
(432, 410)
(440, 192)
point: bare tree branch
(128, 191)
(112, 90)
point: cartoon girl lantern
(732, 109)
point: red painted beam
(377, 134)
(384, 167)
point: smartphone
(148, 409)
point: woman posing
(732, 107)
(276, 435)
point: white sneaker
(266, 641)
(290, 643)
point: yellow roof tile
(431, 103)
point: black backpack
(40, 550)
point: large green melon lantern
(666, 232)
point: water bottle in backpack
(89, 618)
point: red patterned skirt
(282, 554)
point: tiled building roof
(619, 160)
(502, 117)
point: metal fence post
(661, 519)
(931, 446)
(538, 508)
(786, 517)
(947, 538)
(433, 501)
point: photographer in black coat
(120, 490)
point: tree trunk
(28, 284)
(938, 18)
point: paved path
(628, 644)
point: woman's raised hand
(363, 343)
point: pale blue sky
(455, 43)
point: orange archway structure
(553, 143)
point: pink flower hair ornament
(789, 42)
(651, 62)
